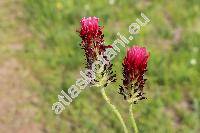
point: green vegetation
(55, 57)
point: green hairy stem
(132, 118)
(114, 109)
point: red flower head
(135, 66)
(92, 39)
(89, 27)
(93, 45)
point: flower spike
(134, 68)
(93, 44)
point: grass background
(54, 56)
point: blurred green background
(40, 55)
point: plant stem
(114, 109)
(132, 118)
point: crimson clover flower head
(134, 68)
(92, 39)
(91, 31)
(92, 42)
(89, 26)
(135, 64)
